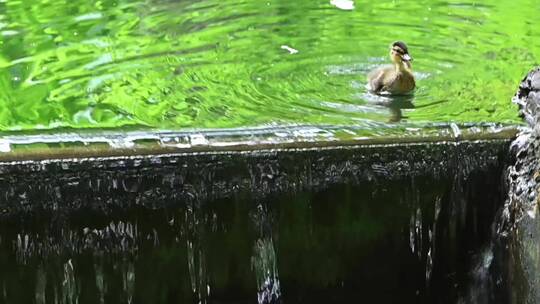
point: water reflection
(397, 104)
(394, 103)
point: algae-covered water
(164, 64)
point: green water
(164, 64)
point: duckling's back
(387, 79)
(378, 77)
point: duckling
(397, 79)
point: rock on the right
(522, 216)
(528, 97)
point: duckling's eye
(398, 51)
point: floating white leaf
(289, 49)
(343, 4)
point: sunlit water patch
(228, 64)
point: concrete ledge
(24, 147)
(106, 184)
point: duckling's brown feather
(388, 79)
(376, 78)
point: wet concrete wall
(375, 223)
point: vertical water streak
(195, 252)
(415, 232)
(264, 261)
(100, 277)
(128, 233)
(432, 241)
(41, 284)
(265, 267)
(128, 279)
(480, 289)
(69, 284)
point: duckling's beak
(407, 57)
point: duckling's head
(400, 53)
